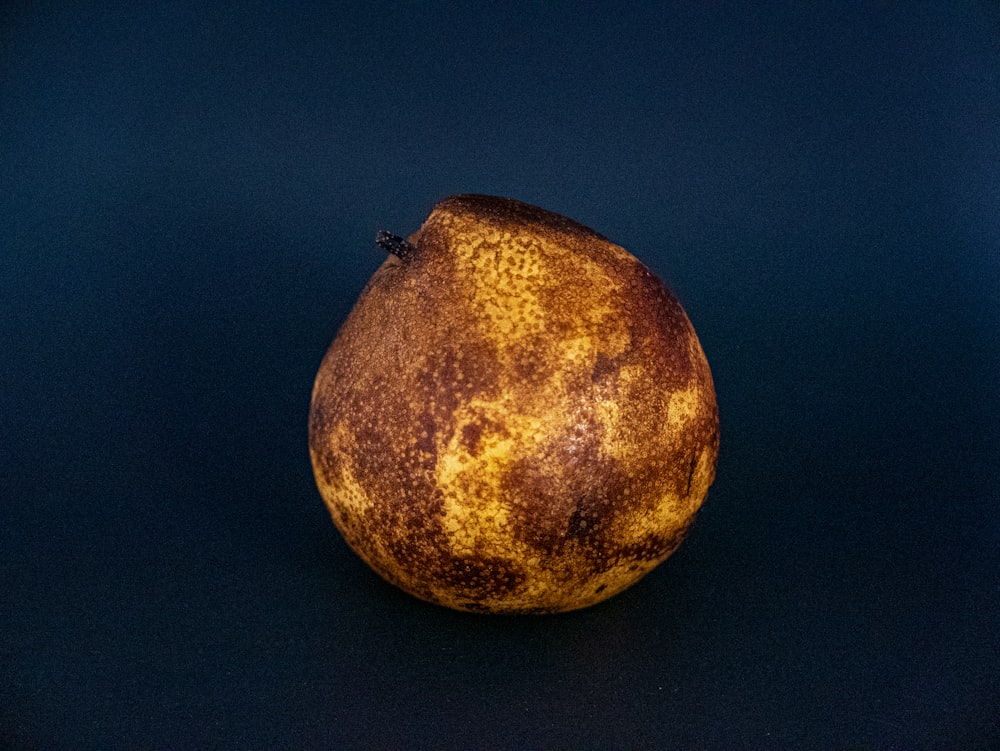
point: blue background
(189, 195)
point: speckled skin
(518, 417)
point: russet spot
(516, 416)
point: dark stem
(394, 244)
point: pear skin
(516, 416)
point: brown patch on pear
(516, 416)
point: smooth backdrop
(189, 194)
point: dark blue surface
(188, 202)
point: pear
(516, 416)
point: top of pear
(500, 212)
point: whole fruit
(516, 416)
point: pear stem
(394, 244)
